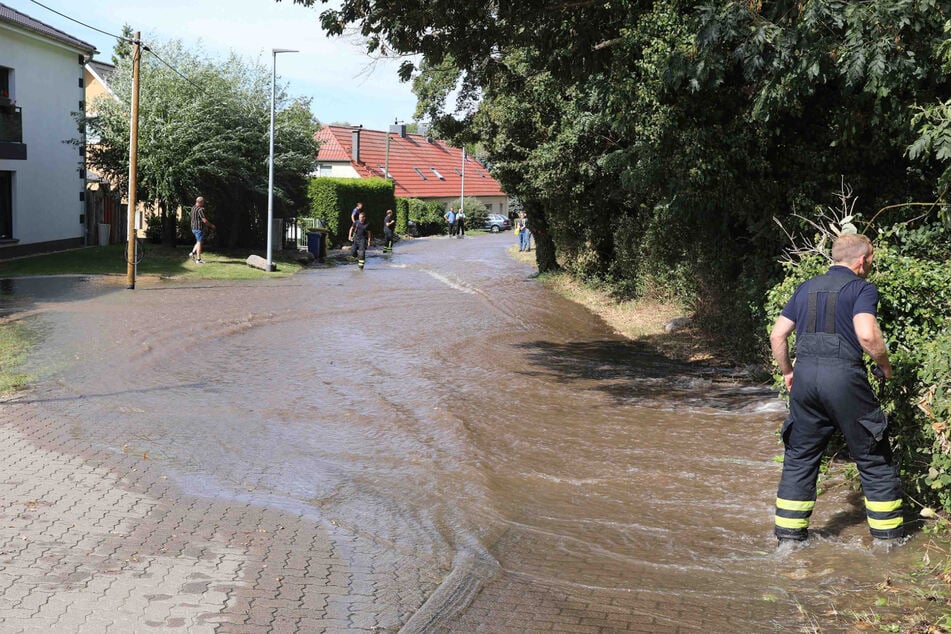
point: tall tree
(203, 129)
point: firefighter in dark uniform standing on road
(834, 316)
(360, 235)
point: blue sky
(342, 81)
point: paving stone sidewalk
(100, 542)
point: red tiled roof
(330, 148)
(407, 155)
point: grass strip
(157, 260)
(15, 342)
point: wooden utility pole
(133, 158)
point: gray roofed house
(22, 20)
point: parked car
(496, 223)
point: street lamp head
(284, 50)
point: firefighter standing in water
(360, 235)
(834, 317)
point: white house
(42, 176)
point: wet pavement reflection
(446, 407)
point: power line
(88, 26)
(126, 39)
(122, 37)
(176, 71)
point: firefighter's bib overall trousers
(831, 391)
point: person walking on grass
(389, 230)
(360, 235)
(199, 223)
(834, 318)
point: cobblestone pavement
(102, 543)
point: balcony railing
(11, 124)
(11, 132)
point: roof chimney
(399, 128)
(355, 149)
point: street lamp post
(270, 170)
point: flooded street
(447, 413)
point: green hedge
(914, 304)
(333, 200)
(402, 214)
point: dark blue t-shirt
(856, 297)
(360, 230)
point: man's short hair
(850, 246)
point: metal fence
(295, 230)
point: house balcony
(11, 133)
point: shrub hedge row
(402, 215)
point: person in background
(461, 223)
(834, 318)
(199, 222)
(450, 217)
(389, 230)
(524, 235)
(355, 214)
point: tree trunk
(545, 254)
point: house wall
(337, 170)
(47, 207)
(94, 89)
(104, 204)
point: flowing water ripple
(443, 406)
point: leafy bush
(428, 216)
(153, 228)
(183, 228)
(476, 213)
(934, 375)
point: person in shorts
(199, 222)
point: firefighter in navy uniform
(834, 316)
(360, 235)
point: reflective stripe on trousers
(828, 394)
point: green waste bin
(317, 243)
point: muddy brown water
(447, 407)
